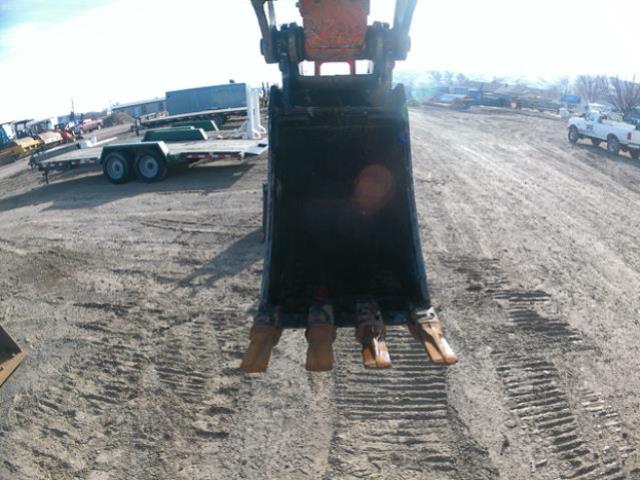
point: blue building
(141, 108)
(213, 97)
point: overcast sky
(102, 51)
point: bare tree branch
(592, 88)
(624, 94)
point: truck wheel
(116, 168)
(150, 167)
(596, 142)
(613, 145)
(574, 136)
(635, 154)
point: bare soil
(135, 301)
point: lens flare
(374, 188)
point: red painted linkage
(334, 30)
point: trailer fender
(131, 151)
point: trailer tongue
(343, 246)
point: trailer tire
(635, 154)
(151, 167)
(574, 136)
(613, 145)
(596, 142)
(116, 168)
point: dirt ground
(135, 301)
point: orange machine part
(334, 30)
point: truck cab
(594, 125)
(89, 124)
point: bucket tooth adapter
(427, 329)
(339, 208)
(11, 355)
(321, 333)
(370, 333)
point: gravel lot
(135, 301)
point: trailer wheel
(613, 145)
(116, 168)
(150, 167)
(574, 136)
(596, 142)
(635, 154)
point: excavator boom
(342, 238)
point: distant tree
(461, 78)
(499, 81)
(447, 77)
(436, 77)
(553, 91)
(624, 94)
(592, 88)
(557, 89)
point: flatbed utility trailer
(150, 161)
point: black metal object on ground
(11, 355)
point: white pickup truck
(596, 126)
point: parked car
(88, 125)
(599, 128)
(632, 116)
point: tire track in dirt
(573, 429)
(398, 423)
(154, 398)
(537, 396)
(184, 363)
(87, 396)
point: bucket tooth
(370, 332)
(427, 329)
(262, 340)
(264, 335)
(321, 333)
(376, 354)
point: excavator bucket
(341, 235)
(10, 355)
(341, 215)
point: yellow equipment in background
(22, 146)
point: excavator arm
(342, 238)
(333, 30)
